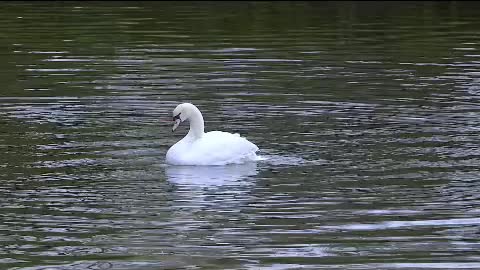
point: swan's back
(213, 148)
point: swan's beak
(177, 122)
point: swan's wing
(217, 148)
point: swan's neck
(196, 125)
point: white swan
(211, 148)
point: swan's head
(181, 113)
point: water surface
(367, 115)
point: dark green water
(367, 113)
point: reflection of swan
(211, 148)
(210, 175)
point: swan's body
(211, 148)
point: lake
(366, 114)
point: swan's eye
(176, 117)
